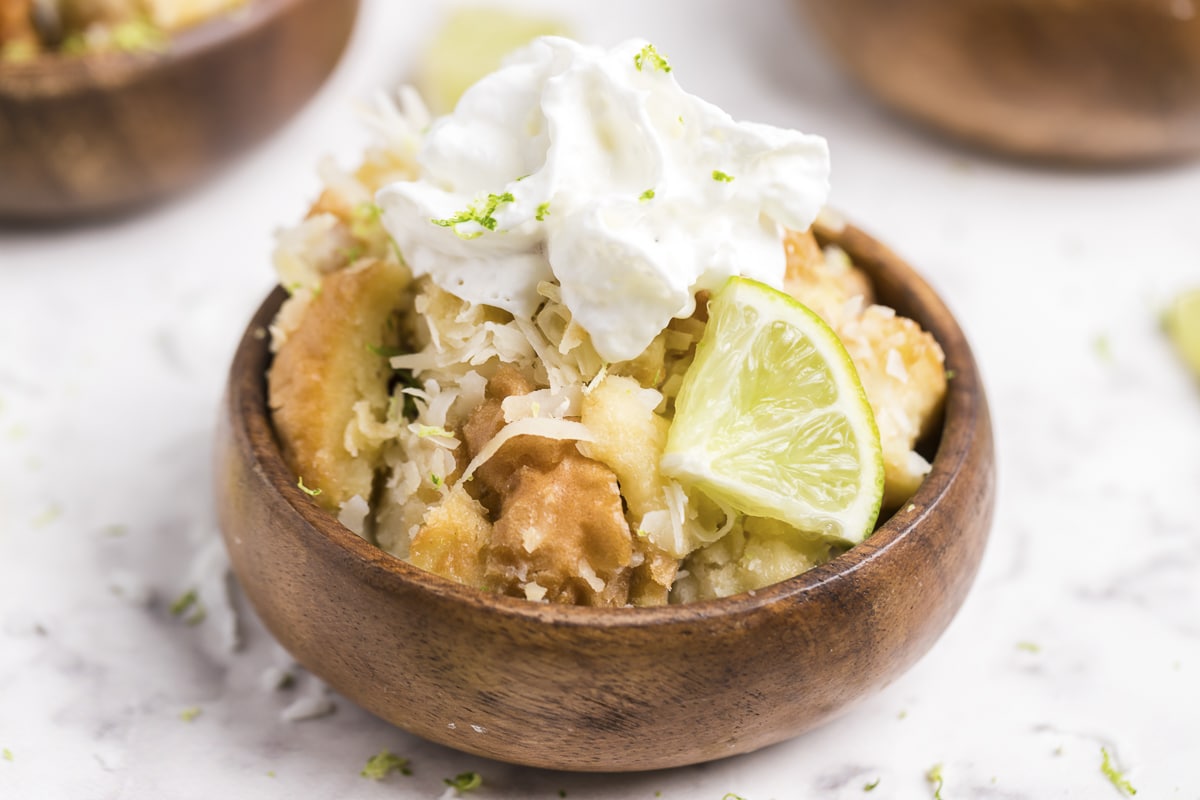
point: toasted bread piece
(453, 539)
(823, 284)
(560, 533)
(328, 364)
(903, 372)
(900, 365)
(630, 439)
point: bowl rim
(54, 73)
(963, 414)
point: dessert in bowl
(132, 112)
(518, 440)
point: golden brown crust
(900, 365)
(453, 539)
(629, 440)
(333, 203)
(820, 283)
(326, 366)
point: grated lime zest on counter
(183, 603)
(721, 177)
(1114, 775)
(464, 781)
(870, 787)
(934, 776)
(646, 195)
(384, 763)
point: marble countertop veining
(1082, 631)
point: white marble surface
(1082, 631)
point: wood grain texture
(609, 689)
(1089, 81)
(105, 133)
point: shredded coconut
(548, 428)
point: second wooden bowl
(1090, 81)
(609, 689)
(96, 134)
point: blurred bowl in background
(1090, 81)
(97, 134)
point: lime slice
(773, 421)
(1182, 322)
(472, 44)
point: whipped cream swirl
(594, 169)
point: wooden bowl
(82, 136)
(1092, 81)
(592, 689)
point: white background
(114, 341)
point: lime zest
(306, 490)
(934, 776)
(721, 177)
(1114, 775)
(464, 781)
(482, 213)
(543, 211)
(646, 195)
(384, 763)
(425, 431)
(182, 603)
(870, 787)
(652, 58)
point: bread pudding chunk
(560, 533)
(329, 371)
